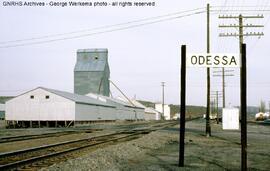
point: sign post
(211, 60)
(183, 107)
(243, 108)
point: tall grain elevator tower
(92, 72)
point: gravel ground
(109, 125)
(107, 128)
(159, 151)
(117, 157)
(18, 145)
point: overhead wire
(265, 25)
(158, 19)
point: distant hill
(252, 110)
(3, 99)
(147, 103)
(191, 111)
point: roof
(151, 110)
(136, 103)
(78, 98)
(112, 100)
(91, 60)
(92, 50)
(146, 109)
(97, 65)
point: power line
(241, 10)
(97, 33)
(242, 6)
(102, 27)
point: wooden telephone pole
(208, 127)
(163, 85)
(243, 92)
(240, 35)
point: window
(96, 58)
(32, 97)
(47, 97)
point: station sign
(212, 60)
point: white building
(48, 105)
(149, 113)
(167, 110)
(124, 109)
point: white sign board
(213, 60)
(230, 118)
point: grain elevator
(92, 72)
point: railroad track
(37, 136)
(53, 134)
(47, 155)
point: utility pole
(223, 88)
(215, 95)
(217, 107)
(225, 73)
(163, 85)
(240, 35)
(208, 127)
(243, 98)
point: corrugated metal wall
(34, 106)
(91, 72)
(39, 108)
(86, 112)
(149, 116)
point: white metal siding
(130, 113)
(149, 116)
(86, 112)
(40, 108)
(140, 113)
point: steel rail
(93, 141)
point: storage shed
(48, 107)
(149, 113)
(56, 107)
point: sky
(141, 55)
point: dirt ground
(159, 151)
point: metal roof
(113, 101)
(146, 109)
(151, 110)
(97, 65)
(136, 103)
(78, 98)
(92, 50)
